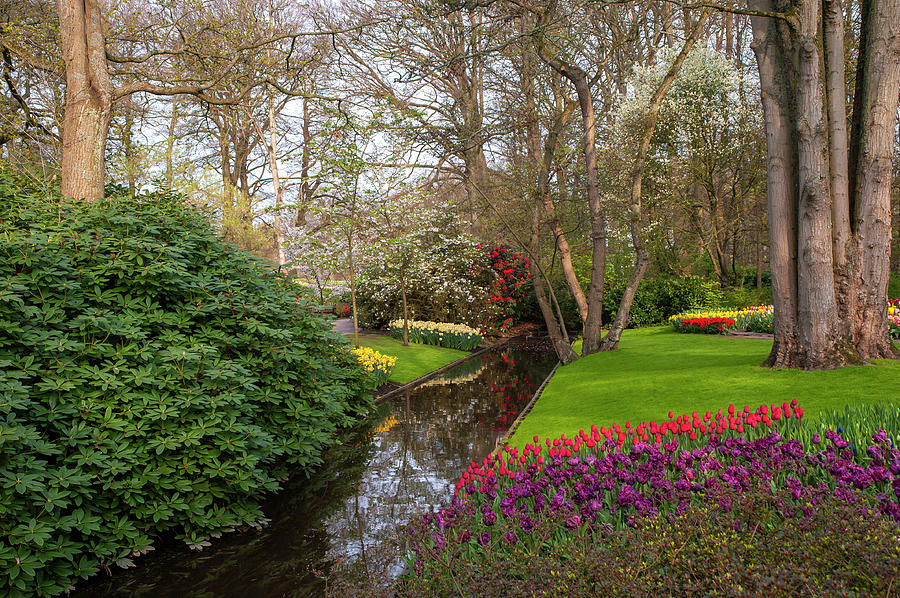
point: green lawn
(656, 369)
(412, 361)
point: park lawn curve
(656, 370)
(413, 361)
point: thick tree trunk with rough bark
(89, 95)
(835, 102)
(816, 304)
(829, 197)
(871, 199)
(775, 75)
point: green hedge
(152, 379)
(658, 298)
(655, 300)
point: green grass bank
(413, 361)
(656, 370)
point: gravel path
(344, 326)
(733, 334)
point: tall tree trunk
(578, 78)
(874, 174)
(594, 320)
(642, 256)
(775, 73)
(469, 95)
(816, 302)
(829, 212)
(89, 94)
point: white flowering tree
(398, 224)
(706, 154)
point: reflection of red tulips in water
(511, 395)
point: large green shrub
(153, 380)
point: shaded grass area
(412, 361)
(656, 369)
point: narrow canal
(404, 462)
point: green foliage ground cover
(153, 380)
(656, 370)
(413, 361)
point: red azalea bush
(704, 325)
(513, 283)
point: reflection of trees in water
(439, 431)
(464, 372)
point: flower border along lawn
(413, 361)
(656, 370)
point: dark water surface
(350, 510)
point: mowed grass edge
(656, 370)
(414, 360)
